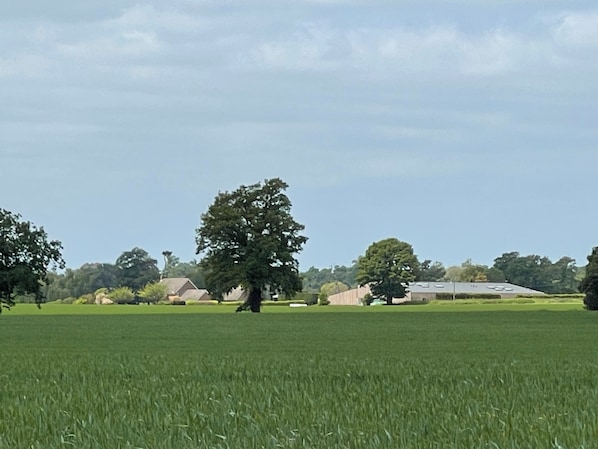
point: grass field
(521, 376)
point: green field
(520, 376)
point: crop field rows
(484, 379)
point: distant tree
(249, 238)
(135, 268)
(169, 260)
(387, 267)
(25, 255)
(589, 285)
(580, 275)
(564, 276)
(495, 275)
(54, 288)
(153, 292)
(311, 279)
(471, 272)
(314, 278)
(344, 274)
(191, 270)
(538, 272)
(430, 272)
(86, 279)
(453, 273)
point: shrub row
(446, 296)
(556, 296)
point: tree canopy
(25, 256)
(589, 284)
(192, 270)
(387, 267)
(539, 273)
(136, 268)
(314, 278)
(249, 238)
(430, 272)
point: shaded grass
(491, 379)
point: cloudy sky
(467, 128)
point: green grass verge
(319, 377)
(434, 306)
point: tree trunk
(255, 300)
(389, 300)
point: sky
(465, 128)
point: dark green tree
(135, 269)
(387, 267)
(25, 256)
(431, 272)
(589, 284)
(248, 238)
(84, 280)
(564, 276)
(538, 272)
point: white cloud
(577, 29)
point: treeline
(132, 270)
(135, 269)
(531, 271)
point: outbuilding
(425, 291)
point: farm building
(422, 291)
(184, 289)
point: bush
(449, 296)
(367, 300)
(195, 302)
(323, 299)
(123, 295)
(24, 299)
(100, 291)
(304, 297)
(178, 302)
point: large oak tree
(387, 267)
(249, 238)
(25, 256)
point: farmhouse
(184, 289)
(422, 291)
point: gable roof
(175, 285)
(200, 294)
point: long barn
(422, 291)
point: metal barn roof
(471, 288)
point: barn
(425, 291)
